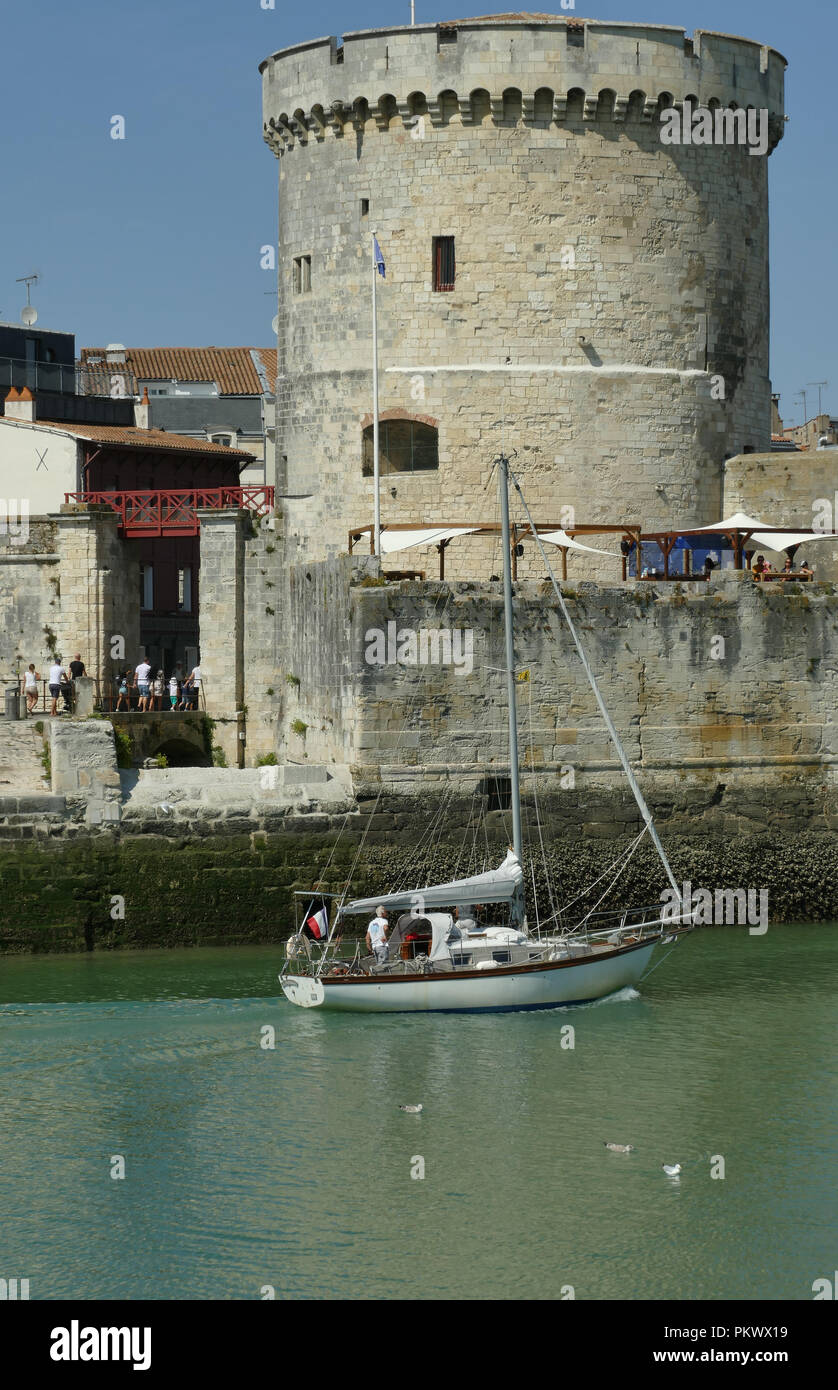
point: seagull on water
(671, 1169)
(410, 1109)
(619, 1148)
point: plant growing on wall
(298, 726)
(266, 760)
(292, 680)
(124, 748)
(51, 639)
(219, 757)
(207, 731)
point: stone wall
(603, 279)
(84, 768)
(724, 696)
(29, 586)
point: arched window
(404, 446)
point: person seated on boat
(377, 935)
(465, 919)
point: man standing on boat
(377, 935)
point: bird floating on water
(671, 1169)
(411, 1109)
(619, 1148)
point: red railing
(164, 513)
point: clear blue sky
(155, 239)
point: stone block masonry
(605, 283)
(724, 697)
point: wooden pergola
(739, 538)
(628, 532)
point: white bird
(619, 1148)
(411, 1109)
(671, 1169)
(165, 808)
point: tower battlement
(469, 69)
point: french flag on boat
(319, 924)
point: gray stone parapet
(317, 89)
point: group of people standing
(153, 688)
(61, 684)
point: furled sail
(501, 885)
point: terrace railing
(174, 513)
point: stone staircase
(21, 769)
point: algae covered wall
(110, 891)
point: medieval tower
(559, 280)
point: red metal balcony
(165, 513)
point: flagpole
(375, 448)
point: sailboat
(467, 946)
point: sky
(155, 239)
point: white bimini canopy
(497, 886)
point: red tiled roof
(129, 437)
(231, 368)
(267, 356)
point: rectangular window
(444, 263)
(146, 587)
(184, 589)
(302, 274)
(365, 207)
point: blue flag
(379, 260)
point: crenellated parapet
(530, 70)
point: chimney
(20, 405)
(141, 410)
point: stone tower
(559, 279)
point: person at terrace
(759, 568)
(141, 679)
(158, 688)
(123, 691)
(30, 686)
(56, 674)
(806, 571)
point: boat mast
(510, 659)
(615, 738)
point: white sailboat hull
(530, 987)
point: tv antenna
(28, 313)
(820, 385)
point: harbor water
(254, 1170)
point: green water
(248, 1167)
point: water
(292, 1168)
